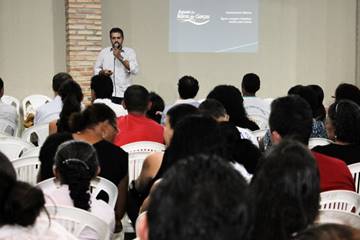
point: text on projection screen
(213, 26)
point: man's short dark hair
(59, 79)
(102, 86)
(201, 197)
(1, 84)
(251, 83)
(291, 116)
(179, 112)
(188, 87)
(213, 108)
(348, 91)
(136, 99)
(118, 30)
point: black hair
(188, 87)
(250, 83)
(328, 231)
(91, 116)
(117, 30)
(1, 84)
(345, 117)
(179, 112)
(347, 91)
(102, 85)
(291, 116)
(320, 112)
(77, 164)
(213, 108)
(20, 203)
(136, 98)
(308, 94)
(285, 192)
(59, 79)
(71, 96)
(232, 100)
(201, 197)
(157, 107)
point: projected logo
(192, 17)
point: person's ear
(98, 170)
(149, 105)
(123, 104)
(56, 172)
(142, 227)
(275, 137)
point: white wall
(301, 42)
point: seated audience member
(101, 92)
(188, 87)
(254, 105)
(76, 164)
(51, 110)
(230, 97)
(157, 107)
(291, 117)
(71, 97)
(343, 126)
(347, 91)
(285, 192)
(329, 231)
(140, 188)
(201, 197)
(21, 208)
(320, 112)
(7, 112)
(136, 126)
(213, 108)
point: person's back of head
(76, 163)
(347, 91)
(136, 99)
(320, 112)
(188, 87)
(291, 116)
(59, 79)
(329, 231)
(214, 108)
(20, 203)
(308, 94)
(101, 86)
(285, 192)
(250, 84)
(1, 88)
(344, 115)
(179, 112)
(202, 197)
(157, 107)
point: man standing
(118, 62)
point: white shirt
(117, 108)
(248, 134)
(60, 195)
(106, 60)
(190, 101)
(48, 112)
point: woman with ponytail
(76, 163)
(21, 206)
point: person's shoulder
(128, 50)
(110, 148)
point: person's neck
(135, 113)
(246, 94)
(87, 135)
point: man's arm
(128, 59)
(99, 63)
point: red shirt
(134, 128)
(334, 173)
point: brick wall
(83, 40)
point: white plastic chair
(96, 185)
(12, 101)
(318, 142)
(27, 169)
(339, 217)
(355, 171)
(36, 134)
(340, 200)
(138, 151)
(13, 147)
(32, 102)
(8, 127)
(32, 152)
(75, 220)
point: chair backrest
(11, 101)
(96, 185)
(76, 220)
(13, 147)
(318, 142)
(339, 217)
(36, 134)
(32, 102)
(8, 127)
(32, 152)
(341, 200)
(355, 171)
(138, 151)
(27, 169)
